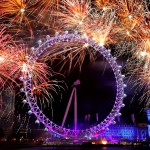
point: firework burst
(131, 16)
(16, 13)
(5, 58)
(102, 28)
(123, 23)
(74, 13)
(68, 56)
(105, 5)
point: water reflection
(80, 148)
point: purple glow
(49, 125)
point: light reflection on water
(80, 148)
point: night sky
(95, 94)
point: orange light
(148, 45)
(93, 143)
(104, 142)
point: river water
(74, 148)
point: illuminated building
(148, 118)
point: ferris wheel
(61, 130)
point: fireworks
(16, 12)
(5, 53)
(70, 55)
(46, 5)
(105, 5)
(74, 13)
(102, 28)
(123, 23)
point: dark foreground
(74, 148)
(87, 147)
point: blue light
(125, 132)
(148, 114)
